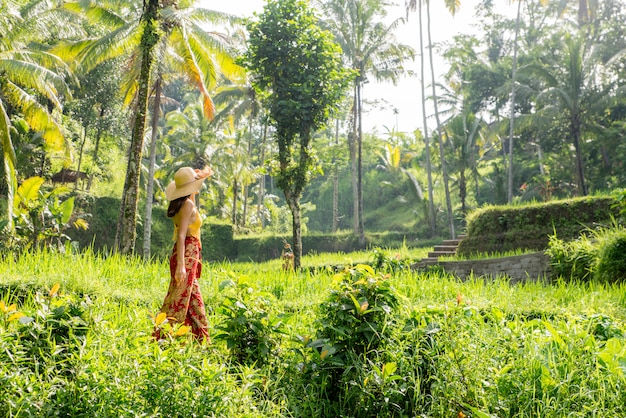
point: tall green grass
(482, 348)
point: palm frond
(34, 76)
(36, 115)
(104, 16)
(116, 43)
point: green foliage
(597, 254)
(41, 217)
(46, 337)
(572, 260)
(620, 203)
(478, 347)
(299, 67)
(389, 264)
(611, 267)
(248, 324)
(504, 228)
(218, 243)
(357, 316)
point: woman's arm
(185, 216)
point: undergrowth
(360, 342)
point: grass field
(388, 342)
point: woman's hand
(180, 273)
(205, 172)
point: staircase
(447, 247)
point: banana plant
(42, 217)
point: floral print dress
(183, 302)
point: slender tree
(370, 49)
(440, 132)
(452, 6)
(570, 90)
(299, 66)
(432, 221)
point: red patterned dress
(183, 302)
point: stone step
(447, 248)
(440, 253)
(450, 248)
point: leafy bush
(572, 260)
(599, 254)
(357, 315)
(46, 338)
(611, 267)
(248, 325)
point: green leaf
(67, 208)
(27, 192)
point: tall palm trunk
(260, 216)
(80, 156)
(335, 223)
(432, 222)
(235, 193)
(512, 116)
(360, 165)
(575, 132)
(352, 143)
(95, 156)
(147, 225)
(444, 169)
(126, 226)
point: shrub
(217, 241)
(573, 260)
(611, 266)
(248, 325)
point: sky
(401, 108)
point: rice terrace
(210, 215)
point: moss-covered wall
(506, 228)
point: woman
(183, 302)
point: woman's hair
(175, 206)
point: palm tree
(570, 91)
(370, 48)
(200, 54)
(31, 82)
(464, 131)
(452, 6)
(240, 101)
(431, 203)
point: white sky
(405, 97)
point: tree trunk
(432, 221)
(294, 205)
(126, 226)
(260, 216)
(512, 116)
(147, 225)
(335, 224)
(80, 156)
(352, 143)
(234, 214)
(96, 149)
(444, 169)
(575, 127)
(463, 191)
(360, 166)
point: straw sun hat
(186, 181)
